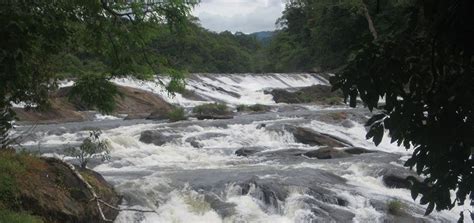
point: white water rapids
(210, 183)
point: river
(197, 176)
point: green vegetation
(91, 147)
(99, 39)
(252, 108)
(395, 207)
(211, 109)
(94, 92)
(177, 114)
(199, 50)
(419, 55)
(13, 167)
(14, 217)
(424, 67)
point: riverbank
(35, 189)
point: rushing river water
(197, 177)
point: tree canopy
(41, 40)
(418, 56)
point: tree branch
(370, 22)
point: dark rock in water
(194, 141)
(284, 153)
(395, 181)
(54, 193)
(137, 116)
(156, 137)
(248, 151)
(222, 208)
(211, 116)
(319, 94)
(347, 124)
(327, 153)
(260, 126)
(398, 177)
(231, 93)
(311, 137)
(267, 191)
(358, 150)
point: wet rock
(222, 208)
(137, 116)
(395, 181)
(194, 141)
(398, 177)
(319, 94)
(327, 153)
(262, 125)
(311, 137)
(156, 137)
(270, 192)
(211, 116)
(284, 153)
(358, 150)
(347, 124)
(248, 151)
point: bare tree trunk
(370, 22)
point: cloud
(239, 15)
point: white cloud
(239, 15)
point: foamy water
(185, 183)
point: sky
(246, 16)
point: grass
(177, 114)
(211, 109)
(395, 207)
(13, 217)
(13, 168)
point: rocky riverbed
(292, 163)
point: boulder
(357, 150)
(156, 137)
(248, 151)
(326, 153)
(194, 140)
(319, 94)
(212, 116)
(311, 137)
(224, 209)
(54, 193)
(396, 181)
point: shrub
(177, 114)
(252, 108)
(211, 109)
(90, 148)
(395, 207)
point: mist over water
(183, 182)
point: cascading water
(197, 177)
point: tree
(425, 71)
(92, 147)
(41, 39)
